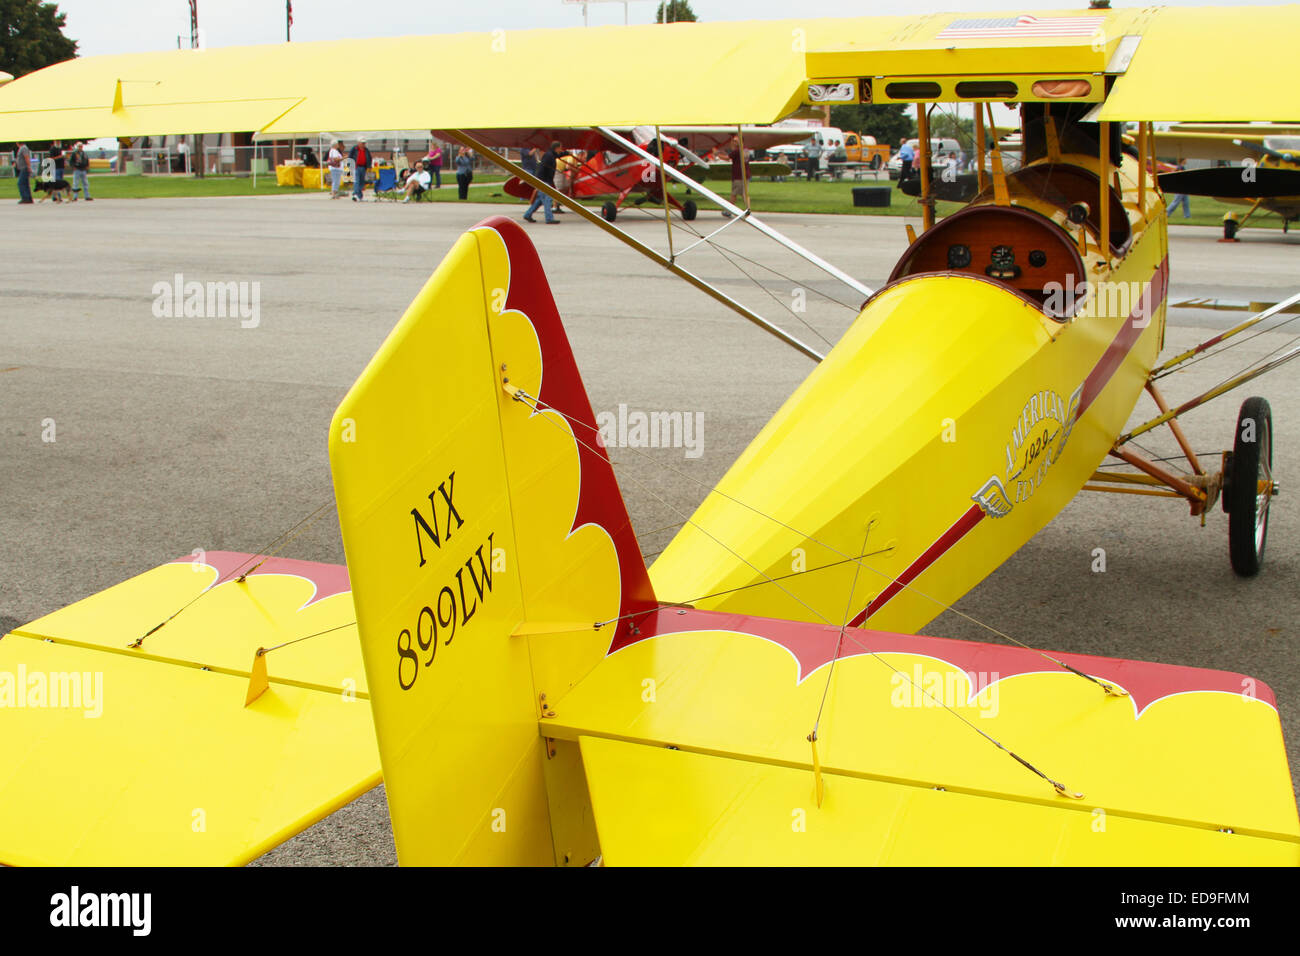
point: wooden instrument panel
(1015, 247)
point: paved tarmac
(175, 433)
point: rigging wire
(238, 574)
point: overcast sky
(129, 26)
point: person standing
(335, 163)
(464, 171)
(361, 159)
(80, 164)
(24, 170)
(546, 173)
(528, 160)
(1174, 200)
(905, 157)
(433, 163)
(739, 172)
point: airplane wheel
(1247, 504)
(1230, 227)
(609, 211)
(689, 209)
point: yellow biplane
(536, 694)
(1266, 175)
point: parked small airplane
(538, 694)
(1268, 180)
(607, 170)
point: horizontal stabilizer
(713, 811)
(147, 755)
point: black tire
(875, 163)
(689, 209)
(1230, 227)
(608, 211)
(1250, 467)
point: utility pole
(197, 157)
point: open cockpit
(1032, 243)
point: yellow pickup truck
(865, 149)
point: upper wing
(1171, 75)
(121, 755)
(742, 72)
(747, 73)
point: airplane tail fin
(491, 557)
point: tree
(887, 122)
(31, 36)
(675, 11)
(945, 125)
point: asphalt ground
(173, 434)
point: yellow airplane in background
(1265, 174)
(536, 693)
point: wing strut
(745, 214)
(670, 264)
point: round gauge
(1002, 263)
(1037, 258)
(958, 256)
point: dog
(60, 190)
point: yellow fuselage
(953, 420)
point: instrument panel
(1015, 247)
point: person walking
(56, 156)
(464, 171)
(546, 173)
(23, 167)
(80, 164)
(361, 159)
(433, 163)
(334, 161)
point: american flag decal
(979, 28)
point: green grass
(796, 196)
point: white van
(822, 138)
(939, 150)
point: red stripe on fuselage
(931, 554)
(1124, 340)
